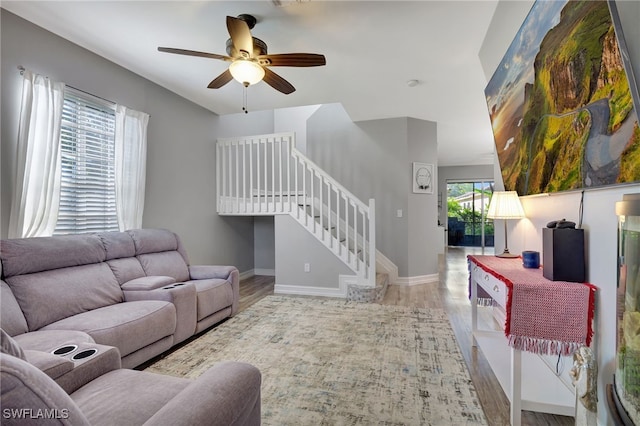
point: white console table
(530, 381)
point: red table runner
(543, 316)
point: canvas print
(560, 104)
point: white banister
(267, 175)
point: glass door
(467, 204)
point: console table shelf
(537, 386)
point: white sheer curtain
(36, 195)
(131, 163)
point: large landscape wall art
(560, 104)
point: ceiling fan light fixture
(246, 72)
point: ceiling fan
(250, 62)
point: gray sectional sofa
(132, 290)
(75, 309)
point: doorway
(467, 205)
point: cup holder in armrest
(172, 286)
(84, 354)
(64, 350)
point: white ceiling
(372, 49)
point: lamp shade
(505, 205)
(246, 72)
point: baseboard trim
(246, 274)
(299, 290)
(416, 280)
(263, 271)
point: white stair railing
(267, 175)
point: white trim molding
(264, 271)
(419, 279)
(385, 265)
(246, 274)
(301, 290)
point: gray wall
(180, 192)
(599, 222)
(372, 159)
(296, 246)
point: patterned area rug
(329, 362)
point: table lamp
(505, 205)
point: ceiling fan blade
(194, 53)
(293, 60)
(220, 80)
(277, 82)
(240, 35)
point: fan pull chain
(244, 99)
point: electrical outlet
(399, 213)
(307, 267)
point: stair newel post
(266, 180)
(372, 242)
(288, 185)
(329, 215)
(236, 177)
(280, 167)
(321, 189)
(218, 193)
(244, 176)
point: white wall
(180, 192)
(599, 219)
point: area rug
(329, 362)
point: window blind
(87, 144)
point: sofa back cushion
(117, 245)
(160, 252)
(27, 255)
(166, 263)
(49, 296)
(12, 319)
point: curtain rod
(23, 69)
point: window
(88, 182)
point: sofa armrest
(52, 365)
(183, 297)
(203, 272)
(229, 273)
(151, 282)
(226, 394)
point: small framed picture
(423, 181)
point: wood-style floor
(450, 294)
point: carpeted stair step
(359, 293)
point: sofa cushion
(168, 263)
(28, 255)
(103, 400)
(50, 296)
(12, 319)
(117, 245)
(126, 269)
(129, 326)
(213, 295)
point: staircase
(267, 175)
